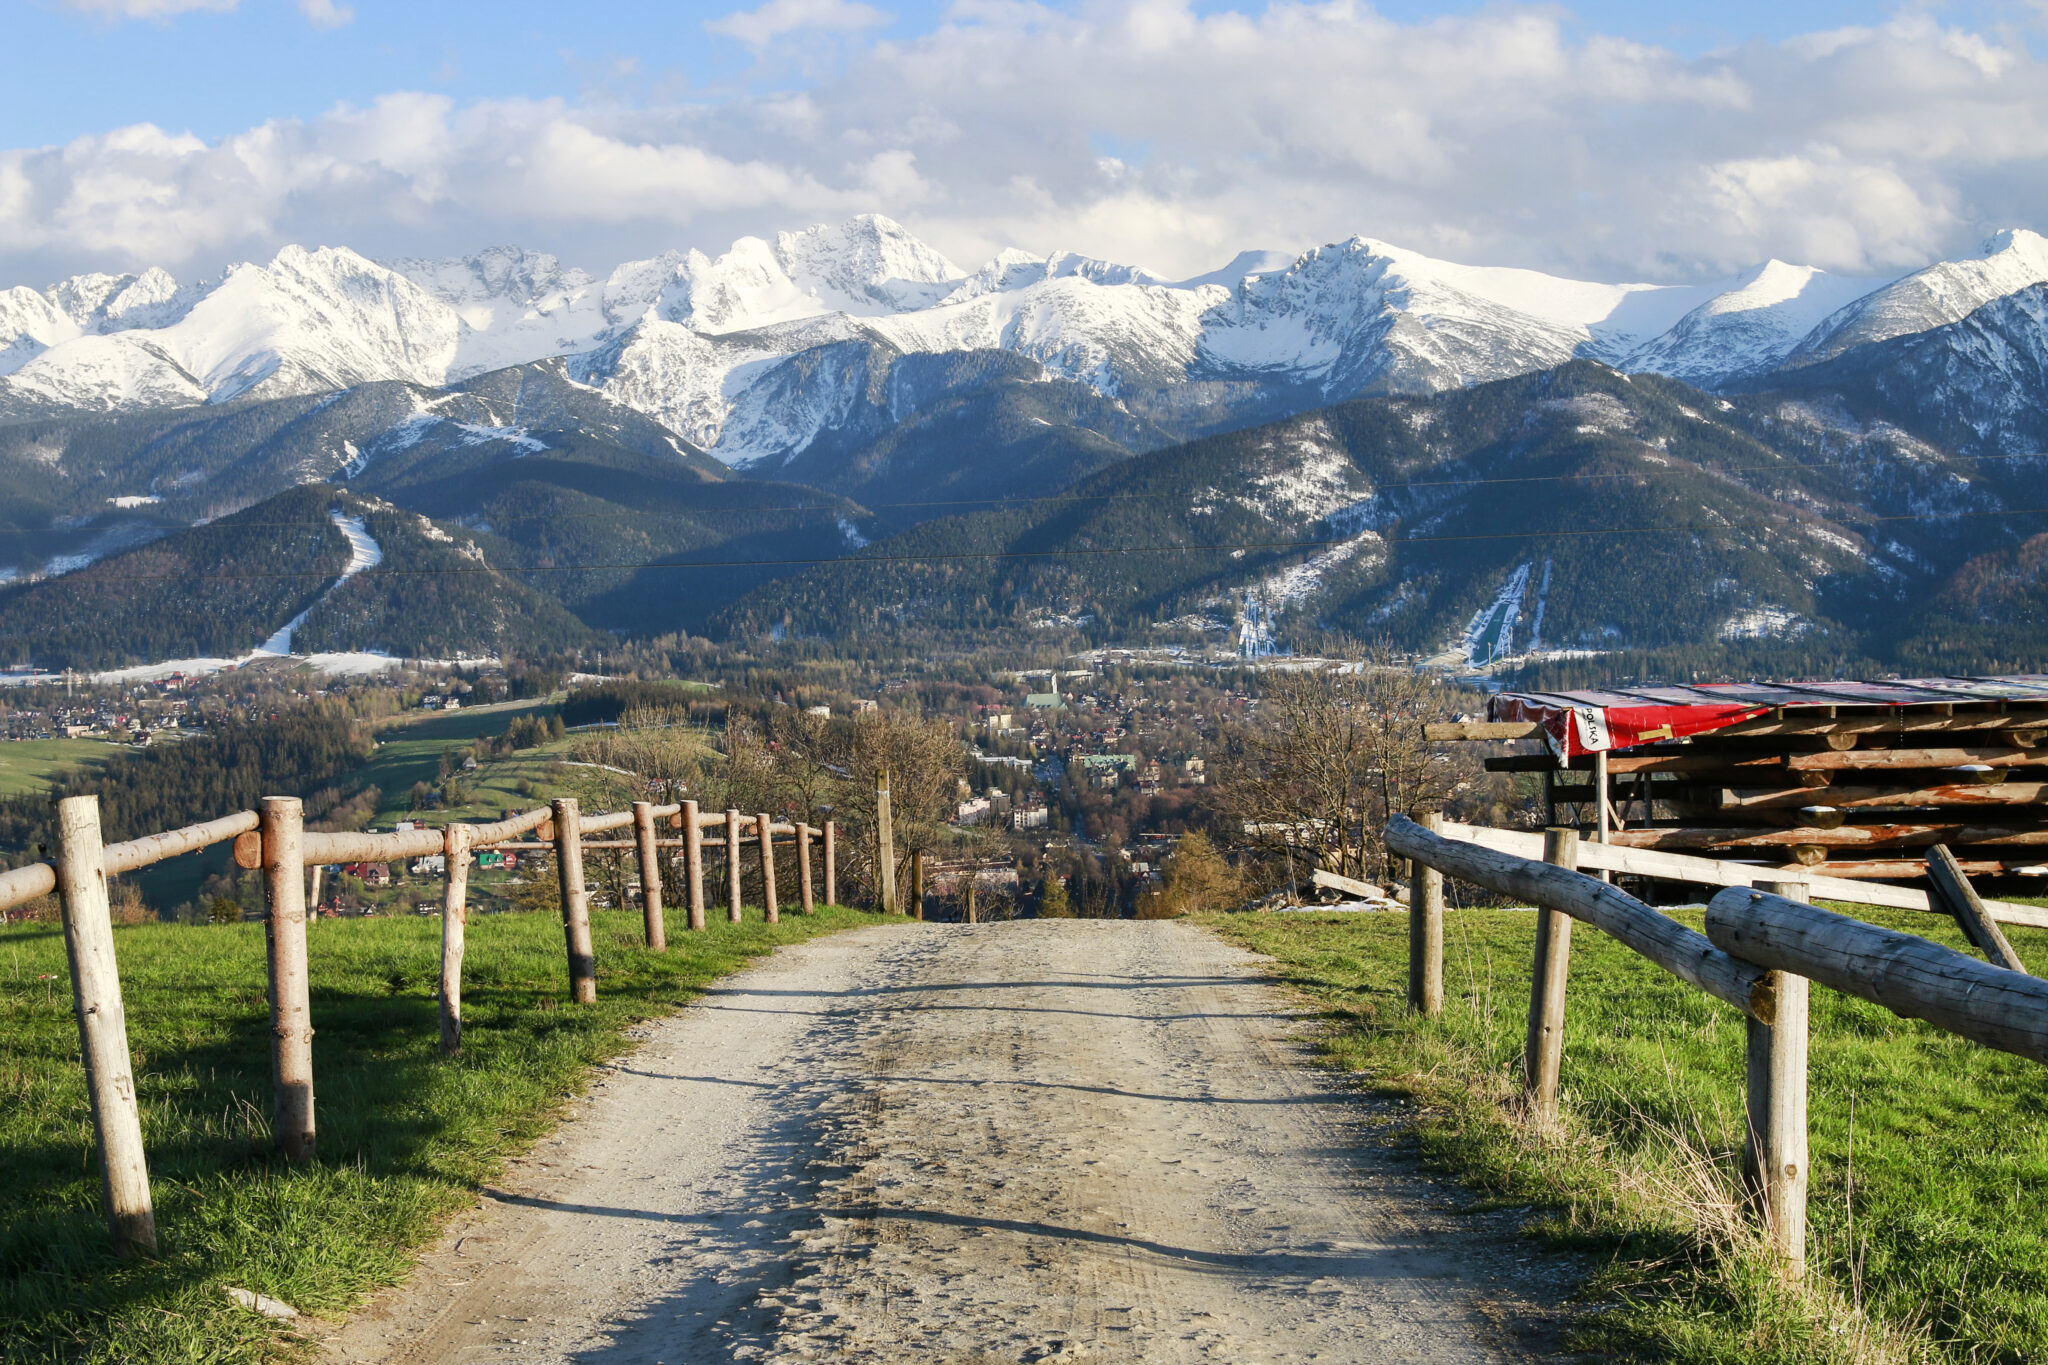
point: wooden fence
(1763, 944)
(273, 838)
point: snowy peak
(1749, 328)
(868, 265)
(1945, 292)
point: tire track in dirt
(1017, 1142)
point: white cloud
(779, 18)
(146, 9)
(1141, 130)
(326, 13)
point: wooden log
(1916, 834)
(885, 846)
(967, 902)
(81, 884)
(1426, 930)
(291, 1011)
(248, 851)
(693, 862)
(1679, 867)
(320, 847)
(767, 836)
(1775, 1153)
(1959, 898)
(916, 906)
(454, 928)
(1448, 732)
(154, 848)
(1677, 949)
(600, 824)
(1991, 794)
(1897, 870)
(1867, 760)
(1908, 975)
(1349, 886)
(1543, 1050)
(803, 867)
(511, 827)
(831, 863)
(1885, 722)
(575, 901)
(26, 883)
(650, 877)
(732, 866)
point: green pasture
(1929, 1205)
(406, 1136)
(30, 766)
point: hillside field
(1929, 1154)
(29, 766)
(405, 1135)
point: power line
(1073, 552)
(1783, 466)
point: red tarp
(1577, 723)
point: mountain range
(714, 420)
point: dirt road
(1017, 1142)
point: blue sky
(213, 72)
(1608, 139)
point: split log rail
(1763, 944)
(275, 840)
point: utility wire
(1075, 552)
(850, 507)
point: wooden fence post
(1426, 930)
(650, 876)
(732, 865)
(766, 829)
(1543, 1054)
(281, 820)
(575, 901)
(967, 905)
(693, 864)
(1601, 807)
(916, 906)
(1953, 893)
(803, 866)
(1775, 1158)
(831, 863)
(103, 1026)
(454, 922)
(885, 846)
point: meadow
(35, 765)
(1929, 1154)
(406, 1135)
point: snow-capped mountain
(726, 350)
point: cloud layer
(1135, 129)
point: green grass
(405, 1135)
(30, 766)
(1937, 1249)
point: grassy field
(1929, 1209)
(405, 1135)
(33, 765)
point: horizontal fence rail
(1764, 943)
(275, 840)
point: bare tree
(1326, 756)
(924, 760)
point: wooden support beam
(650, 877)
(1990, 795)
(732, 865)
(1426, 930)
(1959, 898)
(454, 924)
(575, 901)
(281, 818)
(1887, 760)
(885, 845)
(831, 863)
(766, 827)
(81, 878)
(1775, 1155)
(803, 866)
(1839, 836)
(693, 862)
(1543, 1050)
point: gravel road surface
(1074, 1140)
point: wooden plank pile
(1852, 789)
